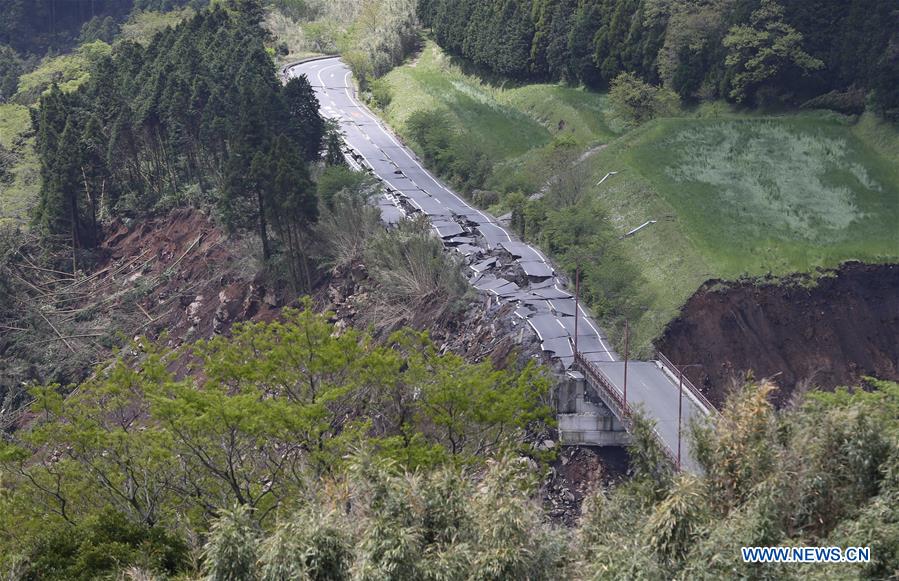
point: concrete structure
(583, 420)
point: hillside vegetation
(302, 452)
(733, 193)
(828, 52)
(19, 162)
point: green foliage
(635, 101)
(679, 520)
(200, 107)
(349, 222)
(280, 407)
(509, 122)
(310, 546)
(230, 552)
(381, 93)
(764, 51)
(382, 34)
(702, 50)
(142, 26)
(70, 72)
(102, 544)
(48, 26)
(339, 184)
(399, 525)
(99, 28)
(823, 473)
(649, 461)
(811, 476)
(10, 69)
(453, 153)
(18, 162)
(415, 277)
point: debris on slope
(191, 280)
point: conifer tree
(306, 124)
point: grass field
(778, 195)
(508, 120)
(733, 194)
(748, 197)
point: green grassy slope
(508, 121)
(748, 197)
(778, 195)
(732, 194)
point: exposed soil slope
(192, 281)
(823, 334)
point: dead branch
(189, 248)
(58, 334)
(69, 337)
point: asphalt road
(543, 302)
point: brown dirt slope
(193, 280)
(820, 334)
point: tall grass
(416, 279)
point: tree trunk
(263, 229)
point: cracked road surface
(500, 263)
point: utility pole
(577, 302)
(680, 408)
(626, 333)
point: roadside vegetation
(26, 76)
(304, 448)
(733, 193)
(372, 36)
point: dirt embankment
(819, 334)
(185, 277)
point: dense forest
(750, 51)
(301, 453)
(200, 113)
(35, 26)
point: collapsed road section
(503, 265)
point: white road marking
(402, 148)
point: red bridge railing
(596, 377)
(599, 379)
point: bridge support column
(585, 422)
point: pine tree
(307, 127)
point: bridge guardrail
(601, 380)
(709, 408)
(597, 377)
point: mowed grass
(507, 121)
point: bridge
(604, 390)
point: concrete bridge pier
(583, 417)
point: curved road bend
(543, 303)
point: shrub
(416, 279)
(635, 101)
(381, 93)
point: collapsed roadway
(504, 266)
